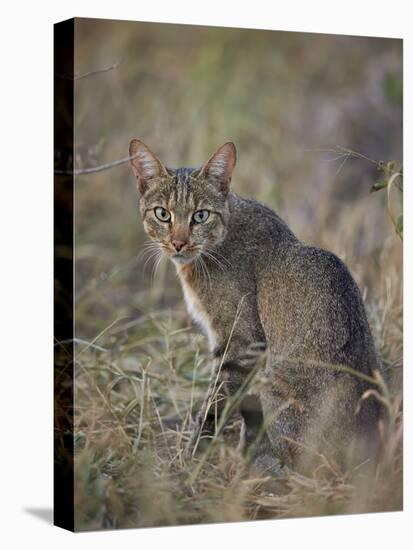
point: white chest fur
(197, 312)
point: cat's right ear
(221, 165)
(145, 164)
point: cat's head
(184, 210)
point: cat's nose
(178, 245)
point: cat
(257, 291)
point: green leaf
(390, 167)
(379, 185)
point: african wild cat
(251, 284)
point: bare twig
(343, 152)
(100, 168)
(90, 73)
(356, 154)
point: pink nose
(178, 245)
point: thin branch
(347, 153)
(346, 157)
(343, 152)
(356, 154)
(90, 73)
(80, 171)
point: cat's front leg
(231, 376)
(206, 419)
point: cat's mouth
(184, 256)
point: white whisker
(204, 270)
(153, 255)
(156, 265)
(215, 260)
(220, 256)
(147, 248)
(154, 252)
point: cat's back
(266, 249)
(306, 295)
(257, 230)
(301, 290)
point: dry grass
(130, 467)
(141, 367)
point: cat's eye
(162, 214)
(200, 216)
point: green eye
(162, 214)
(200, 216)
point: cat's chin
(182, 260)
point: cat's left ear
(145, 164)
(221, 165)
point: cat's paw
(200, 435)
(268, 465)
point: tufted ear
(220, 166)
(145, 164)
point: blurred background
(294, 104)
(285, 99)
